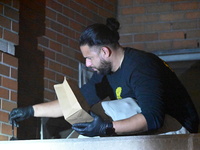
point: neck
(118, 57)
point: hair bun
(113, 24)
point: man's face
(95, 60)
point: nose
(88, 62)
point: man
(121, 73)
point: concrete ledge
(155, 142)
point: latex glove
(95, 128)
(20, 114)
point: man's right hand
(20, 114)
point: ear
(105, 52)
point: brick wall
(8, 92)
(9, 19)
(154, 25)
(64, 21)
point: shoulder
(135, 57)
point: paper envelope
(74, 106)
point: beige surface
(161, 142)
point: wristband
(110, 131)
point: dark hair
(101, 34)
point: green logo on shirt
(118, 92)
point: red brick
(159, 8)
(68, 12)
(4, 93)
(15, 26)
(73, 44)
(104, 13)
(155, 27)
(69, 52)
(67, 71)
(170, 0)
(60, 77)
(5, 22)
(73, 64)
(91, 6)
(69, 32)
(146, 1)
(108, 6)
(43, 41)
(132, 29)
(192, 15)
(184, 25)
(1, 32)
(10, 60)
(1, 56)
(49, 95)
(55, 66)
(146, 18)
(51, 14)
(172, 16)
(146, 37)
(171, 35)
(132, 10)
(55, 46)
(63, 19)
(6, 105)
(49, 74)
(54, 5)
(8, 2)
(193, 33)
(126, 39)
(76, 26)
(3, 138)
(55, 26)
(4, 70)
(125, 3)
(62, 59)
(186, 6)
(155, 46)
(1, 9)
(11, 13)
(15, 4)
(11, 36)
(3, 116)
(50, 34)
(13, 96)
(14, 73)
(51, 84)
(6, 129)
(49, 54)
(185, 44)
(140, 46)
(8, 83)
(64, 2)
(62, 39)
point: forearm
(134, 124)
(49, 109)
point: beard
(104, 68)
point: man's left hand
(95, 128)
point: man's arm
(100, 127)
(134, 124)
(49, 109)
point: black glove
(20, 114)
(98, 127)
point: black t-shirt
(146, 78)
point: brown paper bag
(73, 104)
